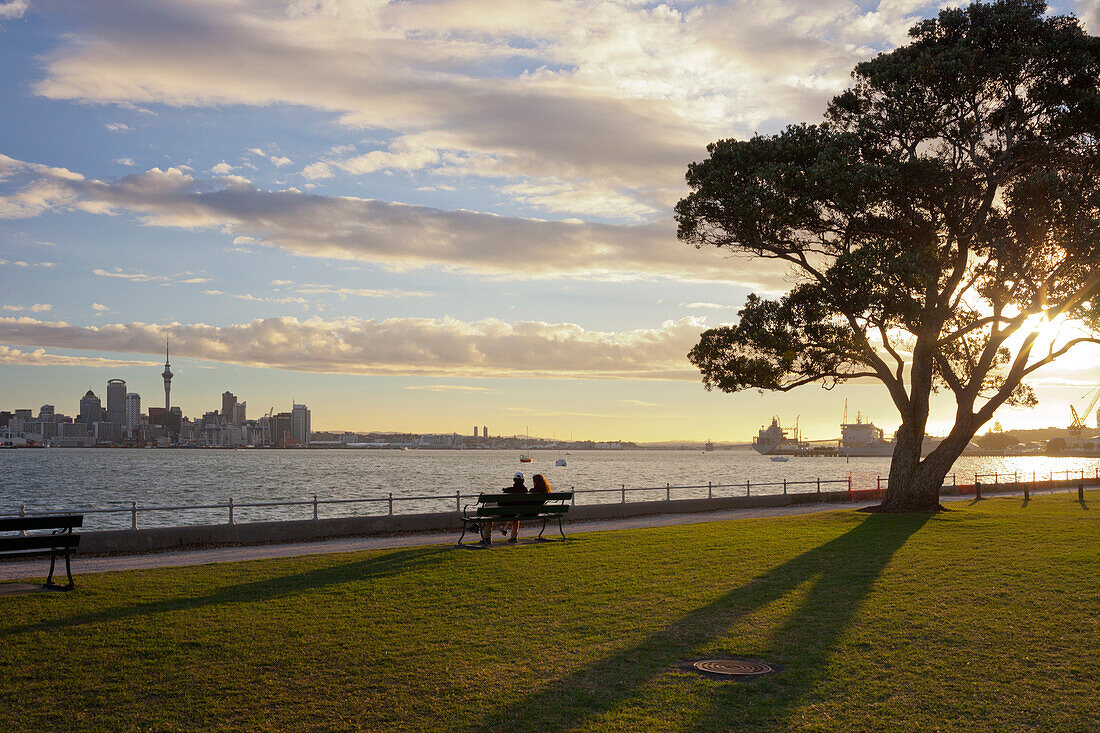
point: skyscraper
(228, 400)
(91, 410)
(484, 431)
(167, 374)
(116, 401)
(133, 411)
(299, 424)
(475, 432)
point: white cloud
(713, 306)
(281, 160)
(24, 263)
(222, 169)
(138, 277)
(141, 277)
(397, 236)
(36, 308)
(13, 9)
(100, 307)
(449, 388)
(396, 346)
(39, 357)
(129, 162)
(315, 289)
(118, 127)
(615, 96)
(286, 300)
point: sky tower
(167, 377)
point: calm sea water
(98, 478)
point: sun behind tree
(946, 210)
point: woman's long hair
(541, 486)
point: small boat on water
(559, 462)
(525, 459)
(780, 459)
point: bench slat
(14, 544)
(19, 524)
(528, 512)
(520, 498)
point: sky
(410, 216)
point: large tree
(941, 217)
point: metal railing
(390, 501)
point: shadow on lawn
(378, 566)
(842, 570)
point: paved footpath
(181, 558)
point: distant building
(484, 432)
(91, 411)
(238, 414)
(281, 430)
(116, 401)
(475, 432)
(46, 413)
(156, 416)
(299, 424)
(228, 401)
(133, 412)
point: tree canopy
(945, 211)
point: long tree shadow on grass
(842, 572)
(376, 566)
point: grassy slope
(984, 618)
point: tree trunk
(915, 484)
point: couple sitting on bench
(518, 487)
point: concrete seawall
(163, 538)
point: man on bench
(518, 487)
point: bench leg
(463, 534)
(49, 578)
(69, 570)
(543, 529)
(560, 529)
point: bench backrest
(22, 524)
(523, 505)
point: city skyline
(419, 218)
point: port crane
(1089, 399)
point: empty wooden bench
(516, 507)
(60, 542)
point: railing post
(784, 487)
(391, 503)
(668, 492)
(954, 483)
(977, 489)
(315, 507)
(748, 489)
(819, 485)
(23, 513)
(573, 498)
(133, 515)
(710, 490)
(624, 493)
(458, 500)
(231, 520)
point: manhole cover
(732, 667)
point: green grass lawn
(986, 617)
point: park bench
(60, 542)
(516, 507)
